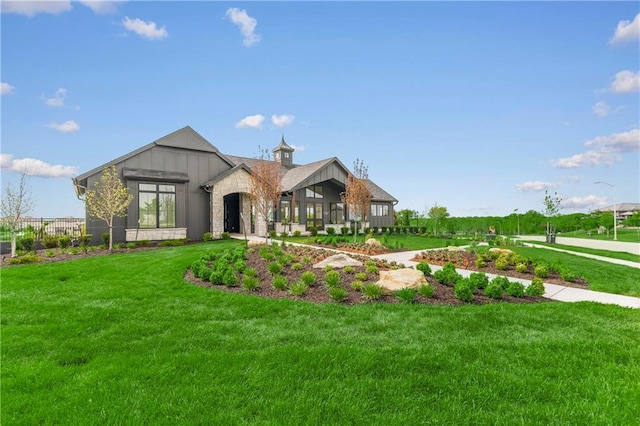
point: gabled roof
(379, 194)
(241, 166)
(622, 207)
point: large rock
(500, 251)
(373, 242)
(338, 261)
(398, 279)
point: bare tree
(16, 204)
(265, 187)
(356, 195)
(109, 199)
(552, 206)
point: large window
(336, 212)
(157, 205)
(379, 210)
(314, 215)
(314, 191)
(285, 211)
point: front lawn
(123, 339)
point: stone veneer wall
(235, 182)
(155, 234)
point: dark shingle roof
(379, 194)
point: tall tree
(109, 199)
(16, 204)
(356, 195)
(437, 214)
(265, 187)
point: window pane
(285, 210)
(309, 192)
(167, 211)
(296, 212)
(310, 212)
(318, 190)
(147, 187)
(167, 188)
(147, 210)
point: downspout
(207, 189)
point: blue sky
(475, 106)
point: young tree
(16, 204)
(265, 187)
(437, 213)
(552, 206)
(356, 195)
(109, 199)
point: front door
(314, 216)
(232, 213)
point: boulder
(499, 250)
(455, 248)
(398, 279)
(338, 261)
(373, 242)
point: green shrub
(314, 231)
(285, 259)
(30, 258)
(105, 239)
(522, 268)
(502, 281)
(49, 253)
(406, 295)
(308, 278)
(279, 282)
(225, 236)
(463, 290)
(229, 278)
(480, 263)
(447, 275)
(349, 269)
(208, 236)
(307, 260)
(298, 288)
(49, 241)
(250, 283)
(131, 245)
(361, 276)
(478, 280)
(568, 275)
(502, 263)
(297, 233)
(536, 288)
(250, 272)
(65, 241)
(426, 290)
(274, 268)
(424, 268)
(330, 230)
(357, 285)
(26, 244)
(119, 246)
(372, 291)
(541, 271)
(273, 234)
(338, 294)
(328, 268)
(494, 290)
(372, 269)
(515, 289)
(332, 278)
(240, 265)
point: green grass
(123, 339)
(407, 242)
(622, 255)
(625, 235)
(601, 275)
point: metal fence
(40, 226)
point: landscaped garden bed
(287, 272)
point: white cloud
(608, 149)
(583, 202)
(66, 127)
(298, 148)
(627, 31)
(535, 186)
(247, 25)
(575, 178)
(33, 167)
(601, 109)
(103, 7)
(252, 121)
(145, 29)
(58, 98)
(282, 120)
(626, 82)
(32, 8)
(6, 89)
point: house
(183, 187)
(623, 210)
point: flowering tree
(552, 206)
(265, 187)
(437, 213)
(356, 195)
(16, 203)
(109, 199)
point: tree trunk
(13, 244)
(110, 237)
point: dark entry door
(232, 213)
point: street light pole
(615, 223)
(517, 216)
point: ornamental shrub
(229, 278)
(362, 276)
(250, 272)
(478, 280)
(274, 268)
(522, 268)
(308, 278)
(541, 271)
(330, 230)
(332, 278)
(568, 275)
(50, 241)
(279, 282)
(372, 269)
(493, 290)
(338, 294)
(502, 263)
(536, 288)
(250, 283)
(313, 231)
(406, 295)
(447, 275)
(349, 269)
(463, 290)
(372, 291)
(424, 268)
(426, 290)
(296, 266)
(65, 241)
(515, 289)
(298, 288)
(357, 285)
(502, 281)
(208, 236)
(480, 263)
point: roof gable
(186, 138)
